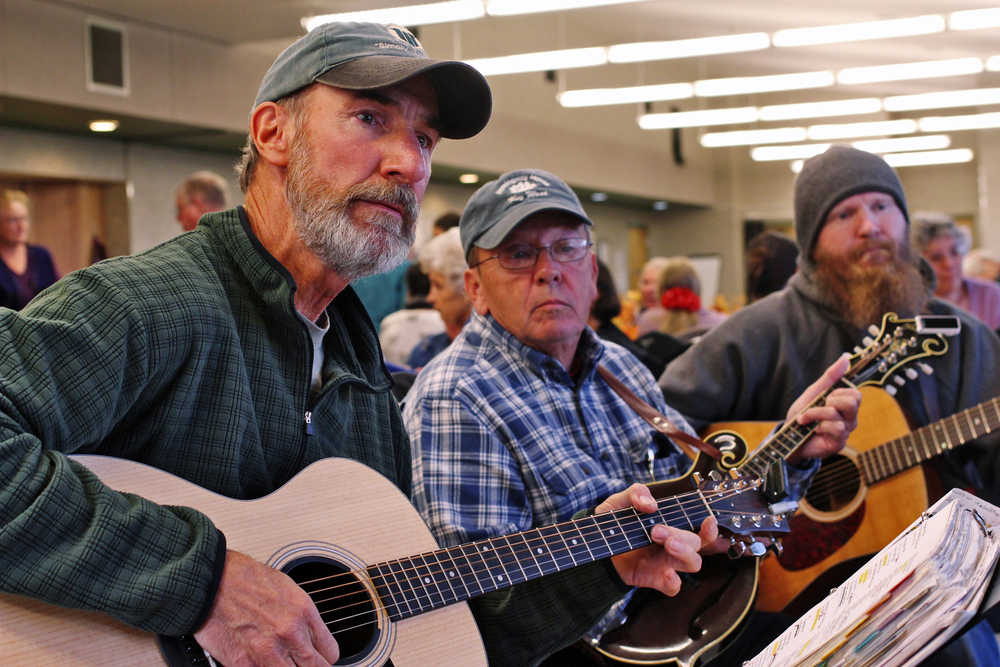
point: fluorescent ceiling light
(943, 99)
(993, 63)
(749, 137)
(590, 97)
(468, 179)
(508, 7)
(820, 109)
(873, 129)
(853, 32)
(103, 125)
(687, 48)
(921, 70)
(926, 142)
(742, 85)
(953, 156)
(973, 19)
(979, 121)
(806, 151)
(701, 118)
(541, 61)
(797, 152)
(435, 12)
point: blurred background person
(679, 312)
(202, 192)
(982, 264)
(443, 260)
(649, 282)
(444, 222)
(25, 269)
(771, 260)
(943, 244)
(403, 330)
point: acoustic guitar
(400, 609)
(862, 498)
(708, 614)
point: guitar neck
(928, 441)
(417, 584)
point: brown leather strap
(655, 419)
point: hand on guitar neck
(261, 617)
(673, 550)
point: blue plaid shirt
(505, 440)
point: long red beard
(862, 294)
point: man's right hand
(261, 617)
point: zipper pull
(309, 423)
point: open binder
(908, 600)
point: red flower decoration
(681, 298)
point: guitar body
(853, 519)
(328, 511)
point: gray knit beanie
(828, 179)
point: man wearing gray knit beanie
(855, 264)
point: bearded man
(855, 265)
(232, 356)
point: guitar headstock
(895, 344)
(735, 500)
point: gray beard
(348, 247)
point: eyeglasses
(520, 256)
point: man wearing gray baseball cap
(513, 427)
(232, 356)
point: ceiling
(271, 24)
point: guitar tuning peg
(925, 368)
(757, 549)
(715, 476)
(777, 547)
(889, 389)
(698, 479)
(873, 330)
(867, 340)
(898, 380)
(910, 373)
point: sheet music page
(909, 598)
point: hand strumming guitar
(261, 617)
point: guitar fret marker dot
(427, 580)
(540, 550)
(573, 542)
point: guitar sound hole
(343, 603)
(836, 483)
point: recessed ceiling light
(468, 179)
(598, 196)
(660, 205)
(103, 125)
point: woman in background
(443, 260)
(25, 269)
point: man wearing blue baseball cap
(232, 356)
(513, 427)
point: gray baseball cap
(499, 206)
(363, 56)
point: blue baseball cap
(363, 56)
(499, 206)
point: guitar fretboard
(417, 584)
(928, 441)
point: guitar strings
(418, 603)
(556, 554)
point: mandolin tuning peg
(857, 349)
(777, 547)
(736, 548)
(715, 476)
(898, 380)
(873, 330)
(867, 340)
(910, 373)
(925, 367)
(698, 479)
(889, 389)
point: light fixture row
(916, 159)
(745, 85)
(820, 109)
(832, 131)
